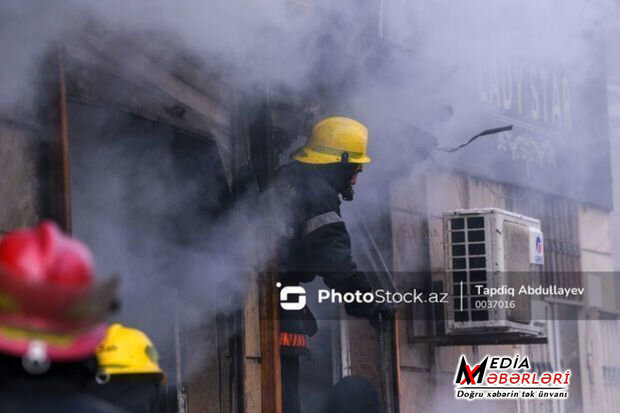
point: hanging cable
(483, 133)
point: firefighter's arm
(327, 247)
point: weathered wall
(19, 186)
(447, 191)
(427, 371)
(599, 338)
(597, 262)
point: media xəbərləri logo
(500, 377)
(295, 290)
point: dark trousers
(290, 384)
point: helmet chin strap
(347, 193)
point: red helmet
(49, 301)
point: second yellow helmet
(127, 351)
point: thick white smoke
(438, 52)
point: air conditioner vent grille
(469, 267)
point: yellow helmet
(333, 137)
(126, 350)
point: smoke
(434, 57)
(437, 66)
(153, 205)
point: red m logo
(471, 375)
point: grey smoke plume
(440, 49)
(147, 201)
(430, 79)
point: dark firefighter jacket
(315, 241)
(62, 389)
(136, 393)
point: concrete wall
(427, 371)
(597, 260)
(19, 196)
(598, 338)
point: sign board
(539, 68)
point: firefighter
(52, 317)
(129, 373)
(317, 240)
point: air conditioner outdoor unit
(491, 248)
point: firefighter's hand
(381, 315)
